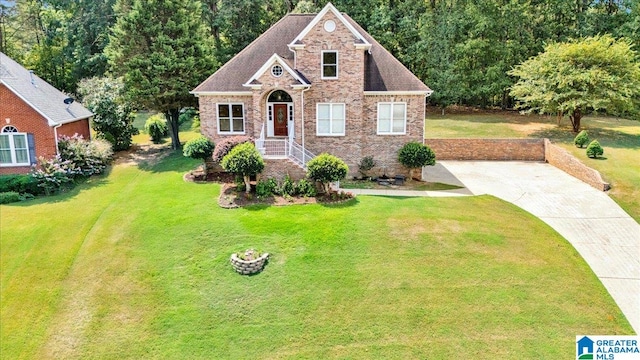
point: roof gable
(382, 71)
(359, 38)
(267, 65)
(40, 95)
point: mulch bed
(231, 198)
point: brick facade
(14, 111)
(360, 139)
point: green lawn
(135, 265)
(620, 139)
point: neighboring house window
(231, 118)
(14, 148)
(392, 118)
(330, 119)
(329, 64)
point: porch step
(279, 168)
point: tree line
(463, 49)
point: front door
(280, 120)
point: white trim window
(329, 64)
(230, 118)
(14, 147)
(392, 118)
(330, 119)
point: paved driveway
(604, 234)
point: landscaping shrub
(288, 187)
(243, 160)
(21, 183)
(88, 157)
(367, 163)
(266, 188)
(415, 155)
(581, 139)
(224, 146)
(9, 197)
(594, 149)
(199, 148)
(156, 127)
(306, 188)
(53, 174)
(326, 168)
(187, 115)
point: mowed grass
(135, 265)
(620, 139)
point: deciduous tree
(593, 74)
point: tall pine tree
(163, 50)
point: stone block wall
(563, 160)
(488, 149)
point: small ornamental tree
(414, 155)
(581, 139)
(199, 148)
(243, 160)
(367, 163)
(326, 168)
(594, 149)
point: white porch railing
(283, 149)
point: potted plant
(249, 262)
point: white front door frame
(290, 120)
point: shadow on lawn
(68, 193)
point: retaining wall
(563, 160)
(516, 150)
(488, 149)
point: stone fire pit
(251, 262)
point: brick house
(33, 114)
(316, 83)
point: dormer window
(329, 64)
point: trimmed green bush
(581, 139)
(287, 187)
(243, 160)
(326, 168)
(224, 146)
(199, 148)
(21, 183)
(156, 127)
(594, 149)
(414, 155)
(266, 188)
(9, 197)
(306, 188)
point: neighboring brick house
(33, 114)
(313, 84)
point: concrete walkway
(604, 234)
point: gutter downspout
(55, 134)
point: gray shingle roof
(383, 72)
(40, 95)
